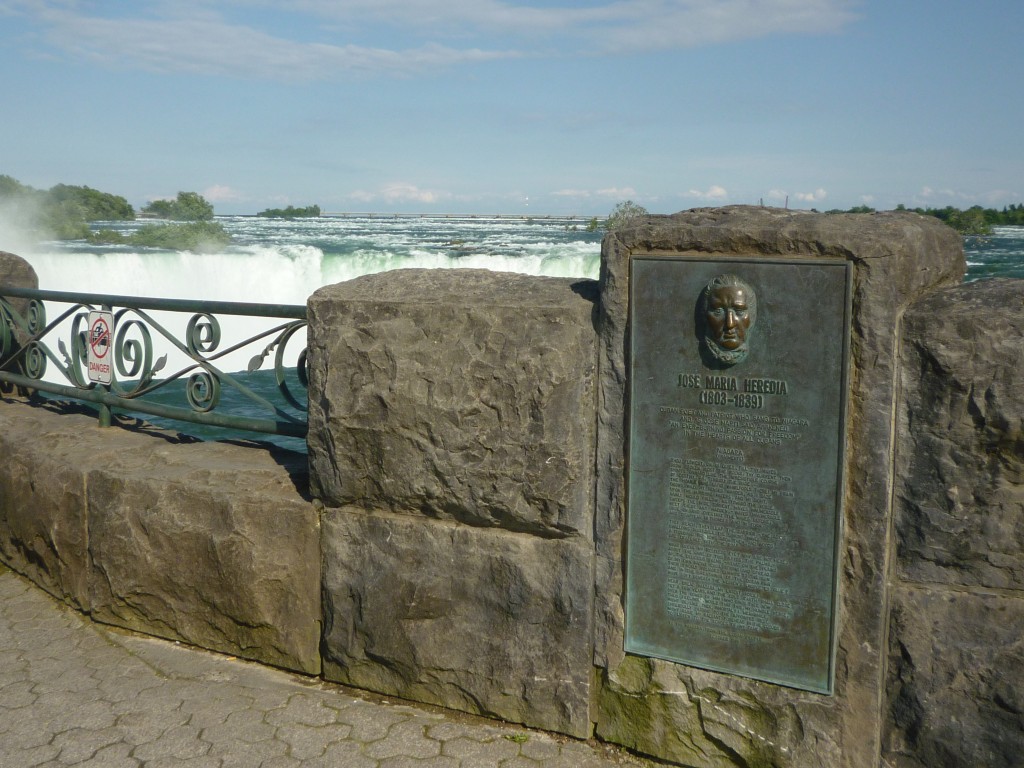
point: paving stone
(348, 754)
(303, 709)
(78, 744)
(406, 739)
(306, 741)
(480, 754)
(116, 756)
(244, 725)
(183, 742)
(439, 761)
(11, 755)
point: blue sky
(485, 106)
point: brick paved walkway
(73, 692)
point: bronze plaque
(735, 478)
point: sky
(486, 106)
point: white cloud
(219, 193)
(812, 197)
(400, 192)
(196, 36)
(205, 43)
(622, 25)
(714, 192)
(617, 194)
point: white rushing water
(273, 261)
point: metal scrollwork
(203, 334)
(34, 360)
(29, 341)
(36, 317)
(301, 371)
(203, 391)
(133, 357)
(77, 360)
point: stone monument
(676, 382)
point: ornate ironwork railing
(118, 331)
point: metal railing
(119, 331)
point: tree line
(64, 212)
(972, 221)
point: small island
(291, 212)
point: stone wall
(956, 639)
(467, 448)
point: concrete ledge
(209, 543)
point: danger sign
(100, 340)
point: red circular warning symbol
(99, 337)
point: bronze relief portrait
(726, 311)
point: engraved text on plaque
(738, 392)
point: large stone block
(960, 489)
(474, 619)
(43, 533)
(210, 544)
(897, 258)
(464, 395)
(15, 272)
(956, 662)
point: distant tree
(291, 212)
(93, 204)
(9, 187)
(198, 236)
(188, 206)
(623, 213)
(970, 222)
(63, 220)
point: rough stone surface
(897, 259)
(16, 272)
(956, 657)
(960, 510)
(458, 394)
(954, 689)
(208, 543)
(475, 619)
(43, 530)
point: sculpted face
(729, 309)
(728, 316)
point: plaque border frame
(841, 469)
